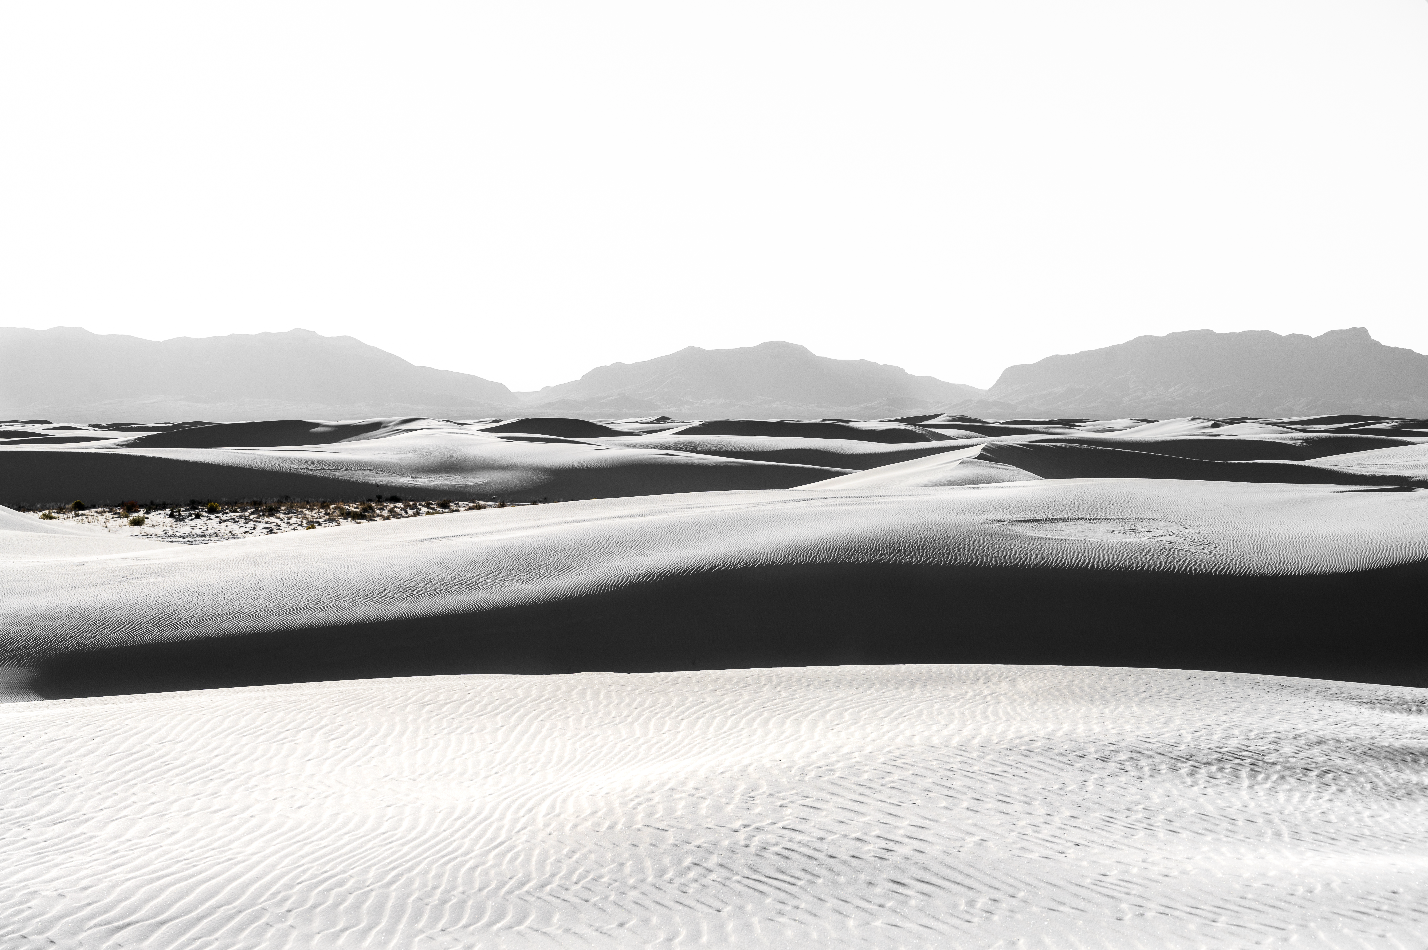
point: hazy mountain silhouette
(771, 380)
(71, 374)
(1204, 373)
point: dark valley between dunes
(547, 666)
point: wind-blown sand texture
(1133, 572)
(971, 807)
(742, 742)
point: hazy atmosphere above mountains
(952, 188)
(70, 374)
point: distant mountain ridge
(771, 380)
(71, 374)
(1254, 373)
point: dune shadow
(1365, 627)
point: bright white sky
(526, 190)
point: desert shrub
(137, 521)
(46, 516)
(129, 507)
(213, 507)
(444, 503)
(77, 505)
(501, 503)
(309, 526)
(367, 508)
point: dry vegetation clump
(201, 521)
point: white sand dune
(563, 459)
(1253, 578)
(24, 537)
(970, 807)
(942, 470)
(428, 462)
(1408, 461)
(777, 798)
(798, 450)
(1180, 459)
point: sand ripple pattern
(467, 563)
(892, 806)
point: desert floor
(929, 682)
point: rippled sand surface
(966, 806)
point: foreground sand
(966, 806)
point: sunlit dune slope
(1408, 461)
(958, 466)
(842, 454)
(432, 462)
(894, 806)
(23, 537)
(1259, 578)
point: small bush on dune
(77, 505)
(213, 507)
(137, 521)
(46, 516)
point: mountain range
(71, 374)
(1204, 373)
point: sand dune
(23, 538)
(432, 461)
(1055, 459)
(895, 806)
(1407, 461)
(252, 434)
(885, 432)
(556, 458)
(858, 454)
(406, 793)
(942, 470)
(1251, 578)
(558, 427)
